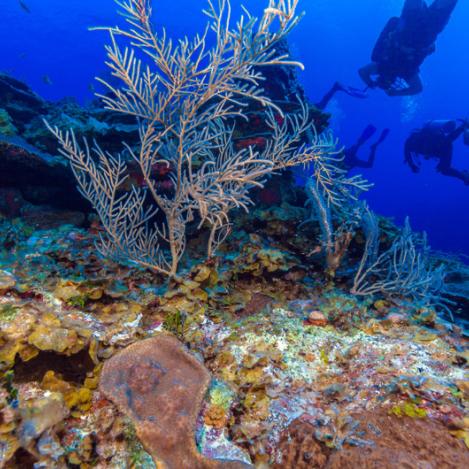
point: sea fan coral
(185, 100)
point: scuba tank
(466, 136)
(442, 125)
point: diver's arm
(456, 133)
(445, 168)
(366, 72)
(409, 157)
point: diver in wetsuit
(435, 140)
(351, 159)
(403, 46)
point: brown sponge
(160, 386)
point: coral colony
(190, 305)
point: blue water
(334, 40)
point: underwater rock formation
(160, 386)
(38, 177)
(31, 168)
(19, 101)
(402, 442)
(28, 160)
(22, 112)
(299, 448)
(387, 441)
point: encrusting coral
(160, 386)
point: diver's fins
(383, 136)
(366, 134)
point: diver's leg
(369, 163)
(383, 136)
(374, 147)
(444, 167)
(439, 14)
(455, 173)
(350, 155)
(412, 6)
(328, 96)
(354, 92)
(367, 133)
(410, 153)
(372, 157)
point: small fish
(23, 55)
(46, 79)
(24, 7)
(91, 87)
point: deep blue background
(333, 40)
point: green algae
(139, 458)
(176, 323)
(8, 312)
(78, 301)
(408, 409)
(6, 124)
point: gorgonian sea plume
(185, 95)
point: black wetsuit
(435, 141)
(406, 41)
(351, 159)
(420, 24)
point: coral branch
(185, 95)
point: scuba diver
(403, 46)
(351, 159)
(435, 140)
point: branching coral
(184, 95)
(333, 197)
(404, 269)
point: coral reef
(209, 178)
(280, 341)
(404, 269)
(28, 164)
(38, 178)
(268, 354)
(160, 386)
